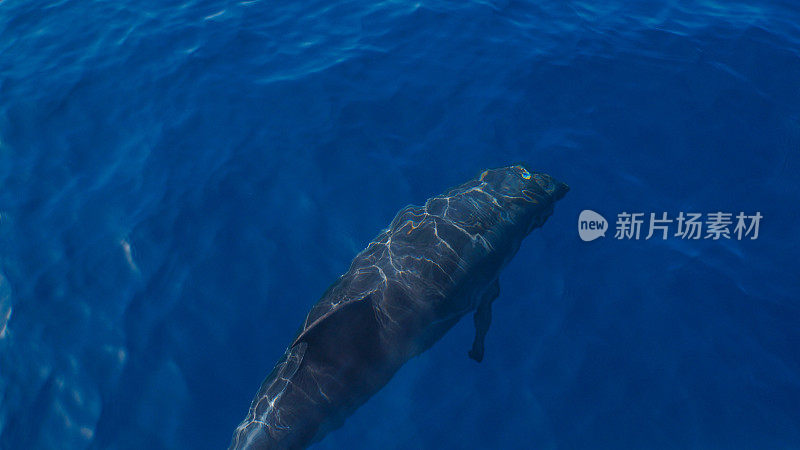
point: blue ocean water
(180, 181)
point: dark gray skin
(433, 265)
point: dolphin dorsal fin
(338, 321)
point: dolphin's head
(525, 197)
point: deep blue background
(245, 152)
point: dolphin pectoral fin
(483, 318)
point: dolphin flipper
(483, 318)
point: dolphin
(432, 265)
